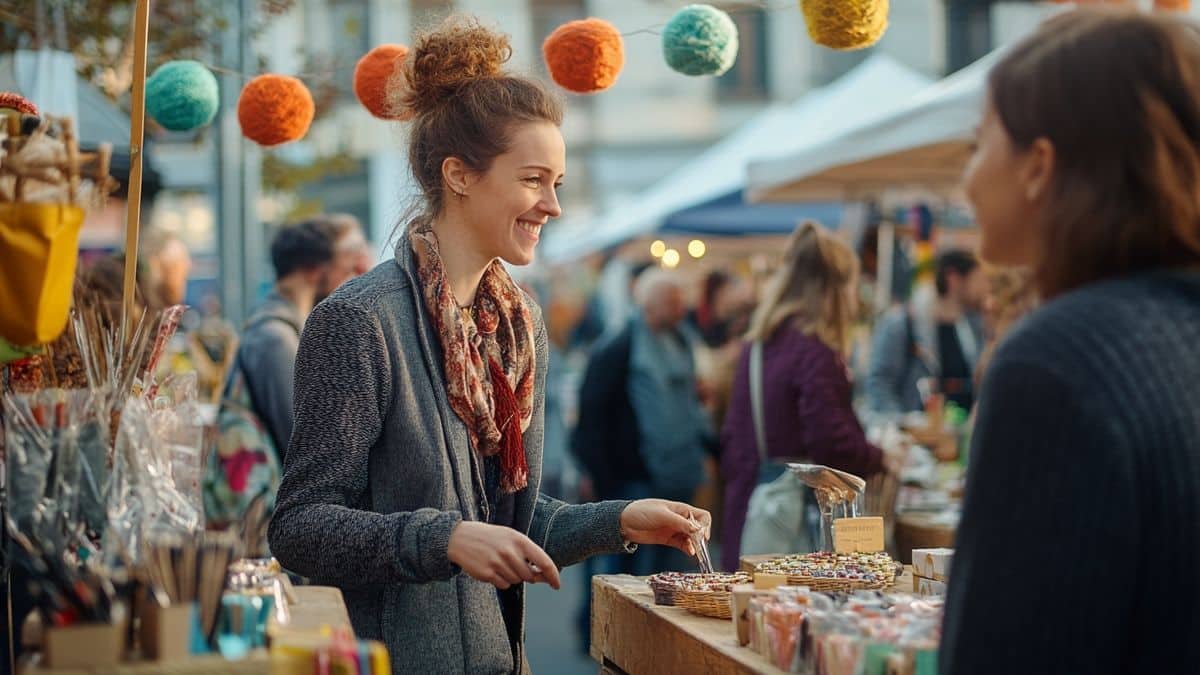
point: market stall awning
(730, 216)
(923, 141)
(720, 171)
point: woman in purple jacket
(804, 322)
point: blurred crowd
(695, 386)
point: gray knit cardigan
(380, 470)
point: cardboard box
(923, 586)
(87, 645)
(766, 582)
(932, 563)
(165, 632)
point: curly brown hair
(465, 104)
(1117, 93)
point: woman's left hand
(661, 522)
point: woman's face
(508, 204)
(1004, 185)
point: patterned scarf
(489, 360)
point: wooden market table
(923, 530)
(314, 607)
(633, 636)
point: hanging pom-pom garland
(375, 76)
(275, 109)
(700, 40)
(845, 24)
(585, 56)
(182, 95)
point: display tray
(633, 636)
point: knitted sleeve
(343, 388)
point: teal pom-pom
(182, 95)
(700, 40)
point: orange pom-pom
(275, 109)
(1173, 5)
(585, 56)
(15, 101)
(375, 75)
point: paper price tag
(852, 535)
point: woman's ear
(456, 175)
(1038, 169)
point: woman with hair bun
(1080, 536)
(411, 480)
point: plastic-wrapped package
(144, 496)
(179, 426)
(57, 461)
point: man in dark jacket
(307, 268)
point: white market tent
(922, 142)
(719, 172)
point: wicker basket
(836, 584)
(664, 594)
(715, 604)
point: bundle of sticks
(193, 570)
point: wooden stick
(137, 118)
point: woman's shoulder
(378, 302)
(384, 290)
(800, 344)
(1091, 335)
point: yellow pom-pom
(845, 24)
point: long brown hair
(810, 290)
(1117, 93)
(464, 103)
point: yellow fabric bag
(39, 247)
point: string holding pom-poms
(845, 24)
(182, 95)
(375, 75)
(700, 40)
(275, 109)
(585, 56)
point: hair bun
(457, 52)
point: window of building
(748, 79)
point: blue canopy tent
(730, 216)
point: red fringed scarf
(489, 361)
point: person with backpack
(937, 341)
(304, 259)
(255, 417)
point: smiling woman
(411, 480)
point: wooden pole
(137, 118)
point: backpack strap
(756, 399)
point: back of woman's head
(1117, 94)
(463, 102)
(810, 289)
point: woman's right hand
(499, 555)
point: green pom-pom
(182, 95)
(700, 40)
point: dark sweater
(807, 414)
(1080, 539)
(606, 441)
